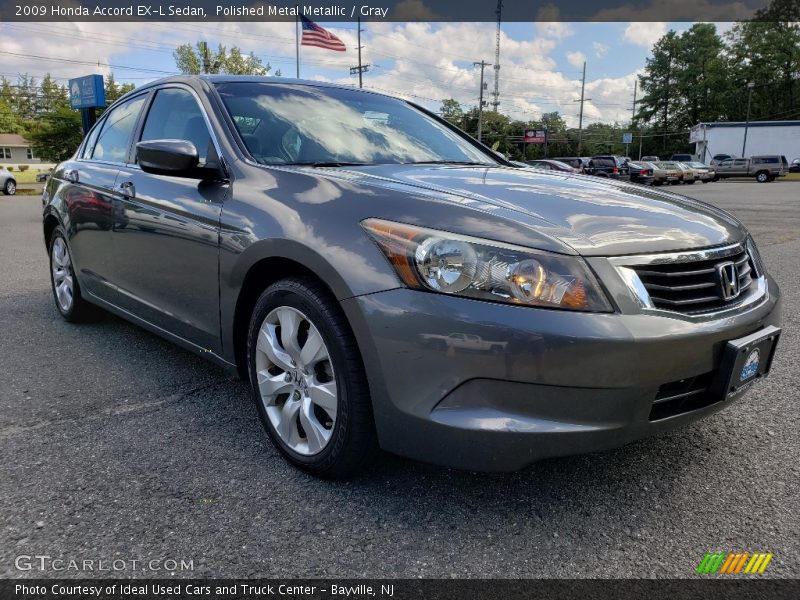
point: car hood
(593, 216)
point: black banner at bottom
(718, 588)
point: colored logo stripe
(730, 563)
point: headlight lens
(448, 263)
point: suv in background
(684, 158)
(650, 158)
(611, 166)
(795, 166)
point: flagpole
(297, 41)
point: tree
(452, 111)
(56, 135)
(115, 90)
(201, 59)
(9, 123)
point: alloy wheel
(62, 274)
(11, 188)
(296, 380)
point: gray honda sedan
(384, 280)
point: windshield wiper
(451, 162)
(323, 163)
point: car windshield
(283, 123)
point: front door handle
(71, 175)
(126, 189)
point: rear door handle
(71, 175)
(126, 189)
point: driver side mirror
(177, 158)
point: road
(117, 445)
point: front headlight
(426, 259)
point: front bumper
(492, 387)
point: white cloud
(424, 61)
(644, 34)
(600, 50)
(576, 59)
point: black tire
(79, 310)
(10, 187)
(762, 177)
(353, 440)
(690, 182)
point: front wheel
(308, 380)
(10, 188)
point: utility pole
(360, 69)
(750, 86)
(483, 64)
(633, 108)
(496, 92)
(580, 117)
(206, 58)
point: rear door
(166, 234)
(88, 194)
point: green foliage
(56, 135)
(24, 167)
(452, 111)
(202, 59)
(700, 76)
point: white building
(763, 137)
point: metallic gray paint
(174, 257)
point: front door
(166, 234)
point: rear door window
(114, 138)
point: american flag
(314, 35)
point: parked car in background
(706, 172)
(43, 175)
(690, 175)
(682, 157)
(554, 165)
(609, 166)
(763, 168)
(8, 184)
(650, 159)
(663, 174)
(718, 158)
(674, 168)
(575, 162)
(641, 172)
(795, 166)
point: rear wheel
(66, 290)
(10, 188)
(308, 380)
(762, 177)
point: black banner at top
(397, 10)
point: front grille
(693, 286)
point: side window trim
(94, 130)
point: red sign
(535, 136)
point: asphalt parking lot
(119, 445)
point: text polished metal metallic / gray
(382, 279)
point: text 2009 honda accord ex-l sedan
(383, 280)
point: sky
(540, 62)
